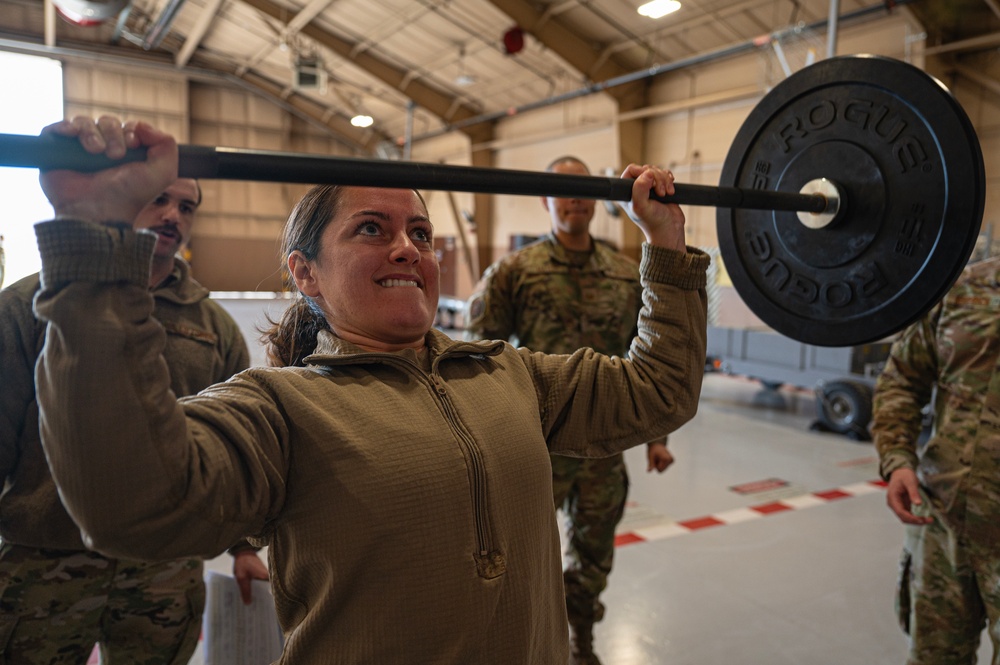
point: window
(36, 84)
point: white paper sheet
(238, 634)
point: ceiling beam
(198, 32)
(984, 80)
(365, 140)
(305, 17)
(994, 7)
(592, 62)
(597, 66)
(581, 54)
(338, 126)
(447, 107)
(290, 29)
(980, 43)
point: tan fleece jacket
(406, 502)
(203, 346)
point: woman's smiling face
(376, 276)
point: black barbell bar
(55, 152)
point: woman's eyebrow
(386, 216)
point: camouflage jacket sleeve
(903, 388)
(490, 310)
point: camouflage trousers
(948, 592)
(591, 494)
(54, 605)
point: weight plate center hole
(861, 187)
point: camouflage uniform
(554, 300)
(56, 598)
(950, 569)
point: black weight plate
(908, 161)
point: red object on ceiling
(513, 40)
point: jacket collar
(601, 258)
(331, 350)
(180, 287)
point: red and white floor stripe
(670, 529)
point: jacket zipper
(476, 463)
(475, 458)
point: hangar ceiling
(423, 67)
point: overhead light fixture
(362, 120)
(659, 8)
(463, 79)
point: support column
(483, 203)
(631, 148)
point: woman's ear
(302, 271)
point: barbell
(849, 201)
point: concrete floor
(810, 578)
(811, 584)
(808, 585)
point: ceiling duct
(159, 30)
(89, 12)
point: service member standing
(565, 292)
(947, 491)
(57, 598)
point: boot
(581, 645)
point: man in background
(562, 293)
(57, 598)
(946, 491)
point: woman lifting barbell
(400, 478)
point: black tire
(845, 407)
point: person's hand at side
(658, 457)
(115, 194)
(902, 494)
(248, 567)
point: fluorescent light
(362, 121)
(659, 8)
